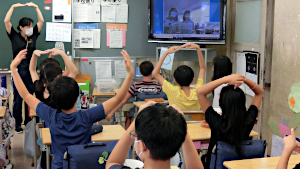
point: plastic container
(133, 164)
(107, 85)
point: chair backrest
(193, 116)
(82, 78)
(227, 152)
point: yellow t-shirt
(177, 96)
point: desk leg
(1, 121)
(48, 157)
(34, 143)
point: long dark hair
(49, 70)
(232, 103)
(222, 67)
(170, 16)
(186, 12)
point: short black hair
(25, 22)
(184, 75)
(64, 92)
(146, 68)
(162, 129)
(48, 60)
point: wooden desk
(198, 133)
(109, 133)
(265, 163)
(96, 94)
(140, 103)
(32, 114)
(2, 112)
(46, 136)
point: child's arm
(200, 57)
(28, 98)
(66, 72)
(110, 104)
(69, 64)
(39, 15)
(124, 101)
(202, 91)
(156, 70)
(32, 65)
(120, 152)
(290, 144)
(7, 22)
(259, 92)
(191, 157)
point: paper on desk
(116, 38)
(277, 146)
(168, 62)
(274, 127)
(103, 69)
(295, 121)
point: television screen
(177, 21)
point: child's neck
(153, 164)
(72, 110)
(187, 90)
(147, 78)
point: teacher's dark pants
(17, 105)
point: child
(145, 86)
(49, 70)
(222, 67)
(183, 96)
(236, 122)
(158, 133)
(290, 145)
(67, 125)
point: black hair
(64, 92)
(146, 68)
(162, 129)
(232, 103)
(186, 12)
(49, 70)
(184, 75)
(170, 16)
(25, 22)
(222, 67)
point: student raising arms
(236, 122)
(49, 70)
(67, 125)
(158, 132)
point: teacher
(24, 39)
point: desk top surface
(32, 113)
(265, 163)
(140, 103)
(96, 93)
(109, 133)
(198, 133)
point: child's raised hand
(128, 63)
(173, 49)
(190, 45)
(54, 51)
(236, 79)
(21, 55)
(39, 52)
(290, 141)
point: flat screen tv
(181, 21)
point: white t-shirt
(217, 93)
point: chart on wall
(86, 10)
(59, 32)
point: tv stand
(185, 54)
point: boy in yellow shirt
(182, 96)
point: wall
(285, 60)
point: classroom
(148, 84)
